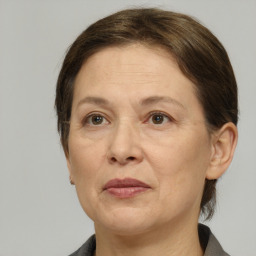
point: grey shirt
(208, 241)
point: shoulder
(209, 242)
(87, 249)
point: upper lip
(125, 183)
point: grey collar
(208, 241)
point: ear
(71, 178)
(223, 147)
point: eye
(95, 119)
(159, 118)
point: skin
(174, 156)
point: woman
(147, 111)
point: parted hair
(199, 54)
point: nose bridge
(125, 143)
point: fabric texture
(207, 239)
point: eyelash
(87, 121)
(87, 118)
(154, 113)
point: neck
(173, 240)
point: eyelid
(150, 114)
(85, 119)
(160, 113)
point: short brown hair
(199, 54)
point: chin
(124, 221)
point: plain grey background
(39, 211)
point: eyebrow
(94, 100)
(144, 102)
(156, 99)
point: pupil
(97, 119)
(158, 119)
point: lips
(125, 188)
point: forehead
(124, 58)
(136, 60)
(133, 71)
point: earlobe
(223, 144)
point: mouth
(125, 188)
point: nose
(124, 145)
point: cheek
(178, 154)
(180, 166)
(86, 160)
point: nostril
(131, 158)
(113, 159)
(122, 160)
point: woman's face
(139, 149)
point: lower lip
(126, 192)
